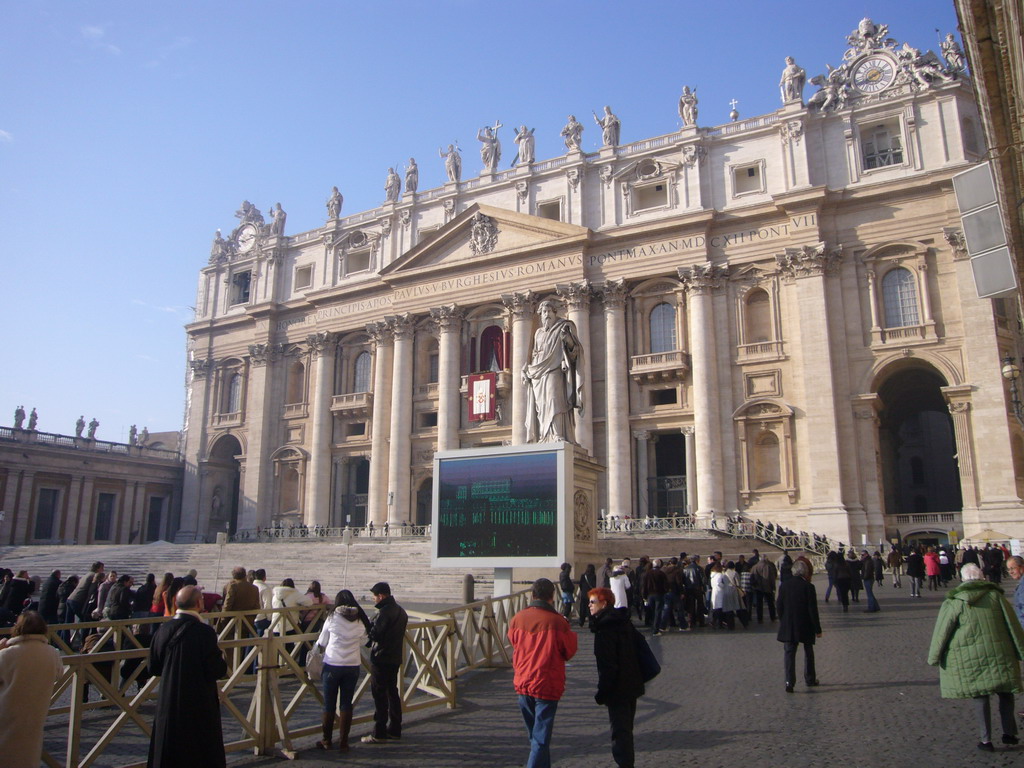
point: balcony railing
(762, 350)
(295, 410)
(352, 403)
(659, 366)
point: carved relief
(449, 210)
(791, 132)
(522, 190)
(201, 367)
(582, 517)
(447, 317)
(520, 305)
(702, 278)
(614, 294)
(693, 153)
(379, 333)
(957, 242)
(321, 343)
(807, 260)
(261, 354)
(483, 234)
(574, 176)
(576, 295)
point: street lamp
(1011, 372)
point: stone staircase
(405, 564)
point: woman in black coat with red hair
(619, 683)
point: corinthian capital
(520, 305)
(401, 326)
(613, 293)
(261, 354)
(321, 343)
(447, 318)
(702, 278)
(576, 295)
(379, 333)
(809, 260)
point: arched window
(767, 461)
(899, 295)
(492, 350)
(296, 383)
(663, 328)
(757, 317)
(234, 393)
(361, 381)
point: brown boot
(327, 724)
(344, 726)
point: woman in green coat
(977, 644)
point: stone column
(318, 489)
(700, 281)
(376, 502)
(201, 405)
(959, 400)
(617, 398)
(21, 513)
(9, 502)
(258, 412)
(521, 306)
(821, 489)
(865, 411)
(691, 470)
(400, 453)
(577, 298)
(82, 534)
(642, 471)
(449, 325)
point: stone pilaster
(449, 326)
(577, 298)
(400, 453)
(257, 421)
(691, 469)
(865, 412)
(642, 438)
(521, 307)
(318, 489)
(699, 281)
(376, 503)
(617, 398)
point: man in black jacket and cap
(387, 635)
(798, 622)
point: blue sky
(131, 131)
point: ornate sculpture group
(250, 219)
(33, 423)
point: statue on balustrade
(80, 426)
(791, 86)
(133, 435)
(525, 141)
(688, 106)
(92, 428)
(610, 126)
(392, 187)
(452, 162)
(19, 416)
(412, 176)
(334, 203)
(277, 220)
(33, 419)
(572, 133)
(490, 147)
(553, 379)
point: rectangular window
(357, 428)
(303, 277)
(664, 397)
(434, 374)
(882, 144)
(650, 196)
(241, 283)
(747, 178)
(357, 262)
(550, 210)
(428, 420)
(46, 513)
(154, 524)
(104, 516)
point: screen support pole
(502, 582)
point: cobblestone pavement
(720, 701)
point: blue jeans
(539, 716)
(655, 605)
(869, 588)
(339, 687)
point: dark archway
(918, 448)
(424, 502)
(222, 491)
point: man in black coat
(18, 592)
(387, 634)
(49, 599)
(798, 622)
(184, 653)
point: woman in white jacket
(287, 596)
(342, 637)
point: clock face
(874, 74)
(247, 238)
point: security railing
(267, 698)
(293, 532)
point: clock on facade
(874, 74)
(246, 238)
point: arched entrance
(222, 485)
(920, 475)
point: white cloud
(6, 136)
(163, 52)
(96, 35)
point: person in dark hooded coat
(797, 607)
(184, 653)
(619, 683)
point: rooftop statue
(219, 250)
(277, 219)
(924, 69)
(249, 213)
(452, 162)
(412, 176)
(80, 426)
(688, 106)
(953, 55)
(791, 86)
(610, 126)
(33, 420)
(525, 141)
(92, 428)
(334, 203)
(490, 146)
(19, 416)
(554, 379)
(392, 187)
(573, 134)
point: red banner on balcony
(483, 388)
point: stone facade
(777, 318)
(59, 489)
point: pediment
(482, 233)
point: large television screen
(498, 506)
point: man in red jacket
(542, 641)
